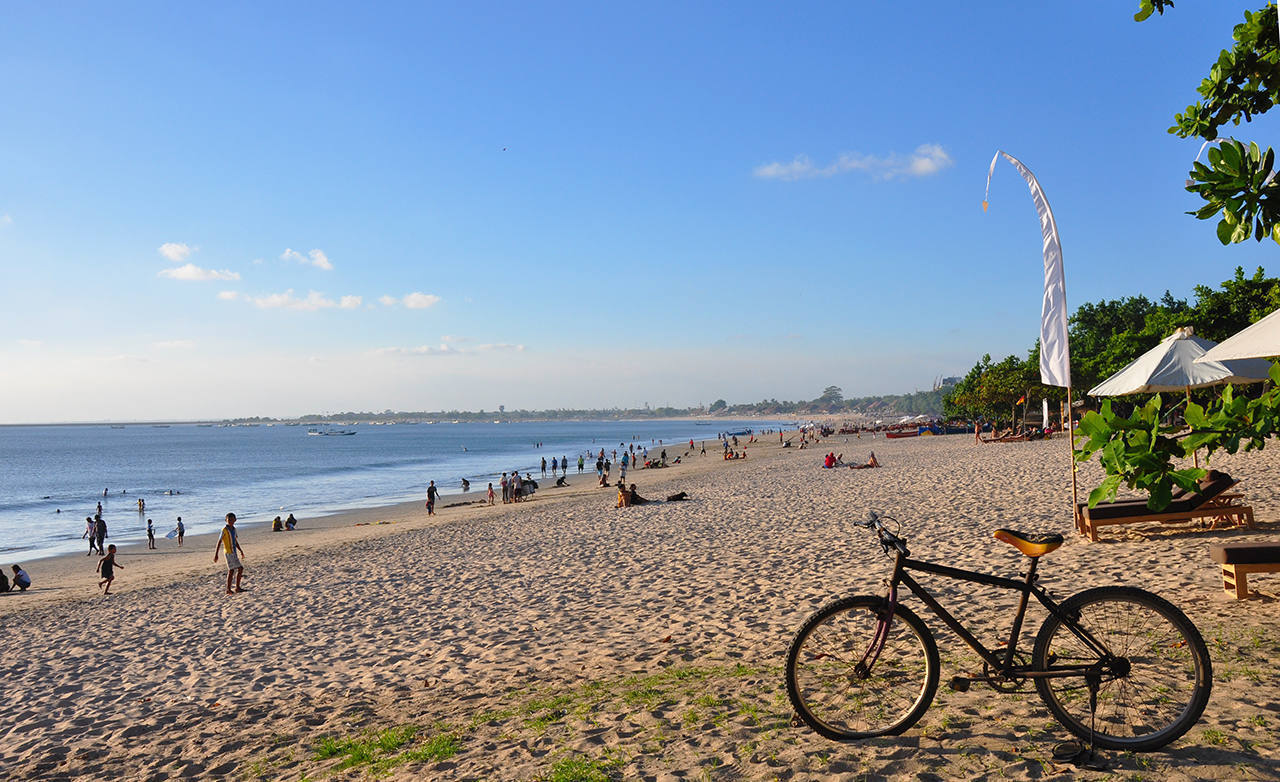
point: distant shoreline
(472, 419)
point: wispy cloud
(447, 349)
(420, 301)
(454, 338)
(350, 302)
(928, 159)
(388, 301)
(176, 251)
(30, 343)
(315, 300)
(174, 344)
(228, 295)
(315, 258)
(192, 273)
(5, 220)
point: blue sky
(273, 209)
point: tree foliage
(1243, 83)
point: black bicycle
(1118, 666)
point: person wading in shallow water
(227, 542)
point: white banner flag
(1055, 354)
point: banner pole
(1071, 451)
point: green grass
(580, 769)
(379, 750)
(1214, 736)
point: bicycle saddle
(1032, 545)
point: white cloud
(192, 273)
(420, 301)
(454, 338)
(928, 159)
(350, 302)
(421, 350)
(447, 349)
(176, 251)
(30, 343)
(174, 344)
(228, 295)
(388, 301)
(315, 258)
(315, 300)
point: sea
(52, 477)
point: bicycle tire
(1166, 678)
(842, 705)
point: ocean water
(51, 477)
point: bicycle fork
(862, 669)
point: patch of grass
(580, 769)
(1258, 720)
(1214, 736)
(379, 750)
(435, 749)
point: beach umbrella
(1260, 340)
(1172, 366)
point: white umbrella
(1260, 340)
(1174, 365)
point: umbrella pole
(1071, 451)
(1195, 455)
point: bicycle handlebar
(888, 539)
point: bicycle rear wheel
(1155, 682)
(840, 691)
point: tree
(718, 405)
(1237, 182)
(831, 399)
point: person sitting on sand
(277, 525)
(829, 461)
(636, 499)
(4, 582)
(872, 462)
(624, 496)
(561, 482)
(21, 581)
(839, 460)
(290, 523)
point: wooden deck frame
(1222, 509)
(1235, 578)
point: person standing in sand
(90, 532)
(490, 492)
(229, 543)
(431, 498)
(181, 531)
(100, 529)
(151, 535)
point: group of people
(288, 525)
(228, 544)
(832, 460)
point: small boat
(117, 426)
(901, 434)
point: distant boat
(157, 426)
(901, 434)
(331, 432)
(117, 426)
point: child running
(106, 567)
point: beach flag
(1055, 356)
(1022, 399)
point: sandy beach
(564, 638)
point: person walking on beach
(100, 529)
(506, 489)
(581, 462)
(431, 498)
(544, 467)
(491, 492)
(227, 542)
(151, 535)
(182, 530)
(106, 567)
(554, 466)
(90, 532)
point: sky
(239, 209)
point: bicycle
(1119, 666)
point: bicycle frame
(1002, 668)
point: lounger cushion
(1245, 553)
(1211, 485)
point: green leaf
(1161, 496)
(1225, 230)
(1195, 416)
(1189, 478)
(1106, 491)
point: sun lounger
(1241, 559)
(1213, 503)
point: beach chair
(1213, 503)
(1240, 559)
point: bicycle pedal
(959, 684)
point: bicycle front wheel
(1153, 680)
(842, 689)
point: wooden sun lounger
(1241, 559)
(1214, 504)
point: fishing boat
(898, 435)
